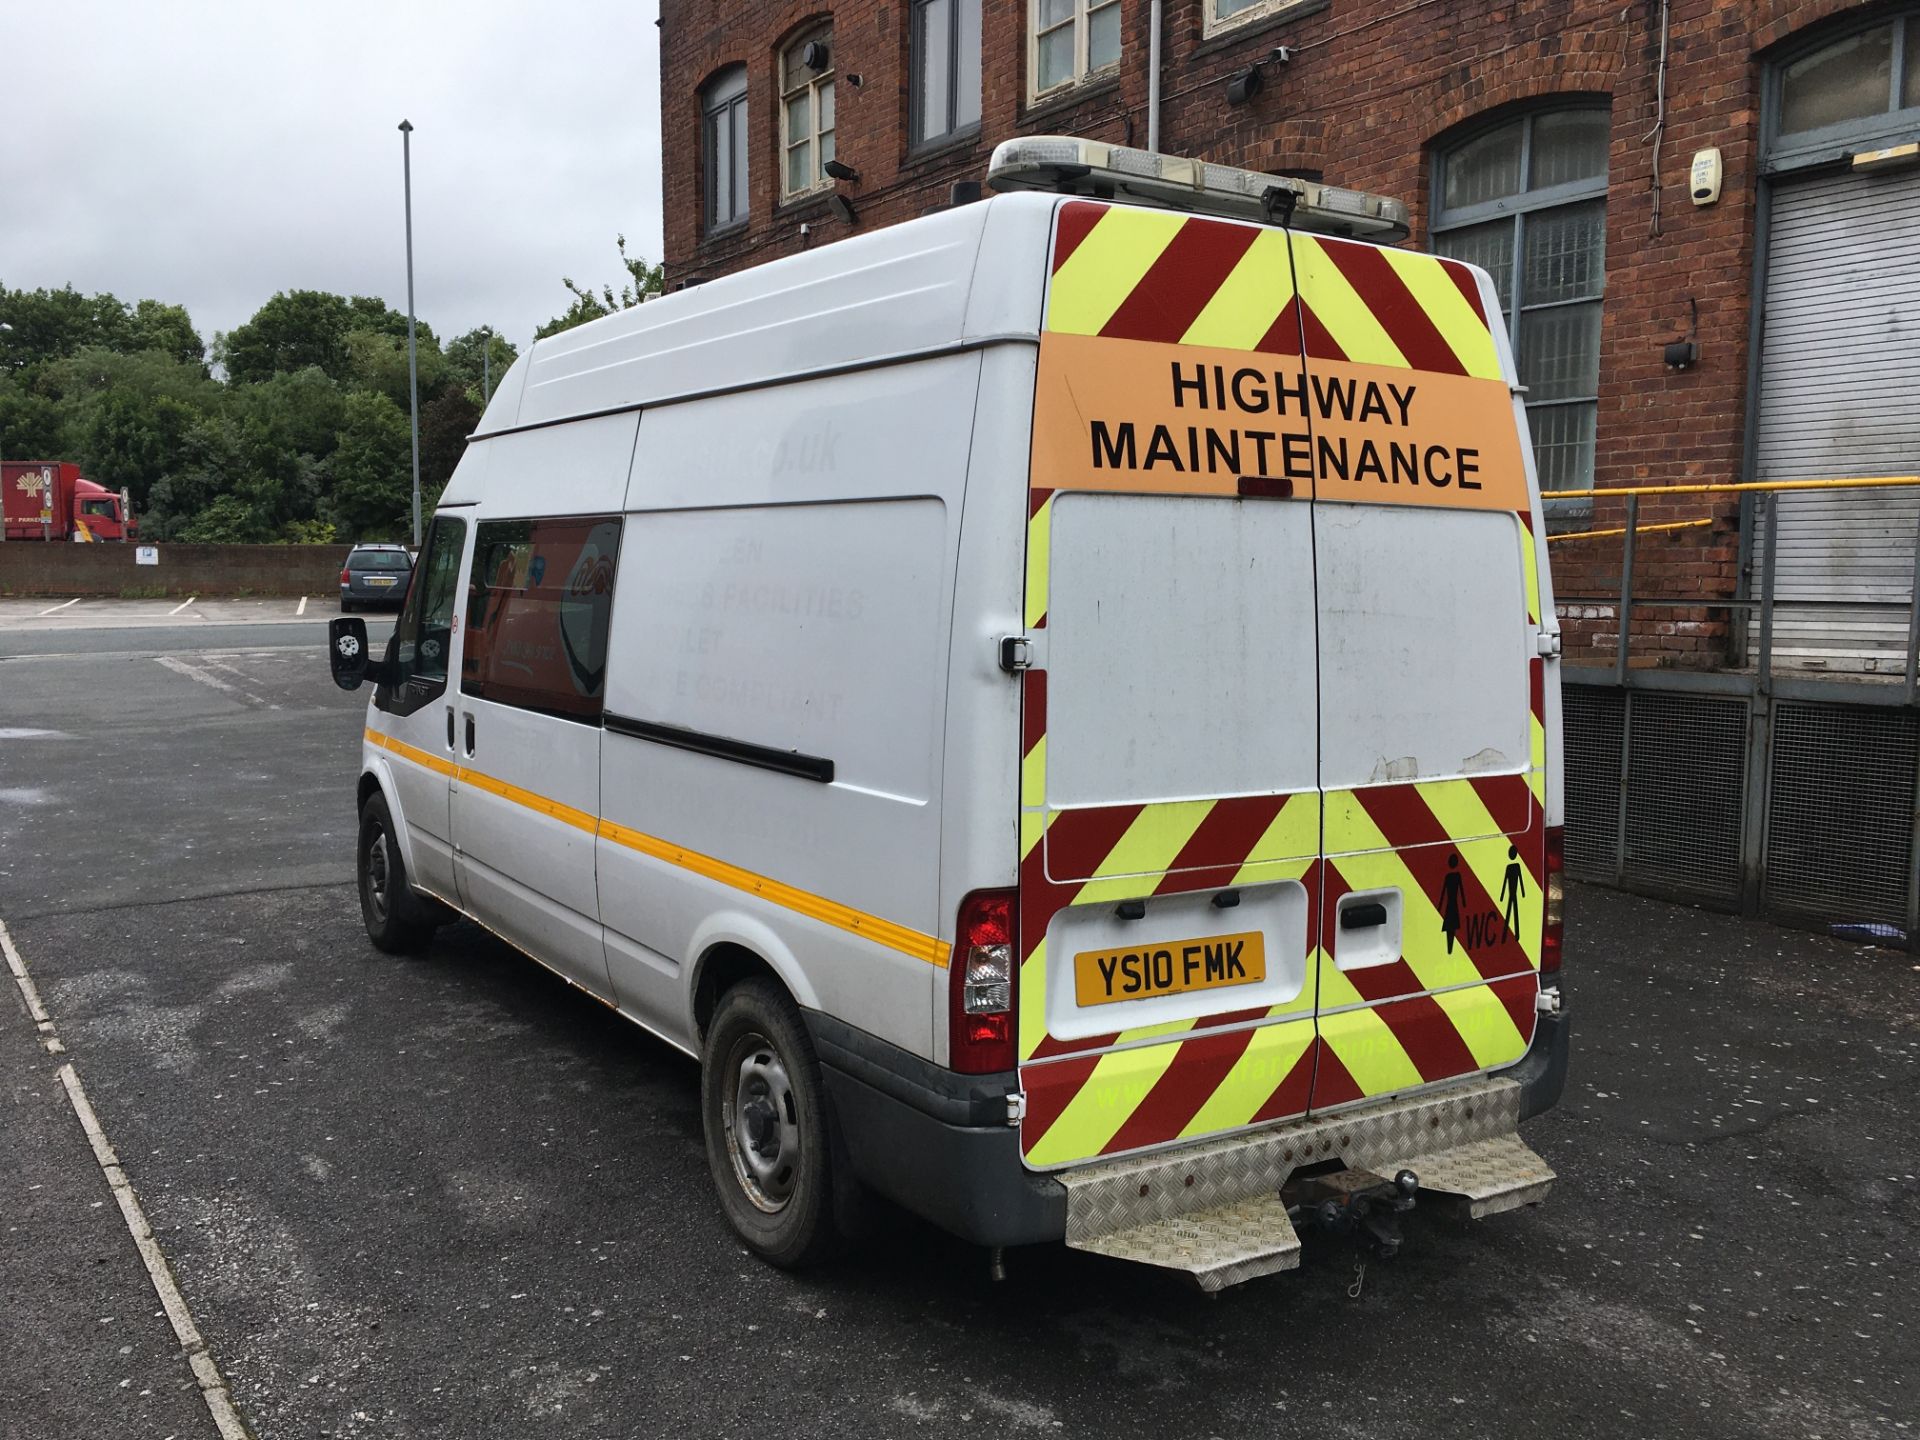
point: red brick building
(1549, 140)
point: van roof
(907, 289)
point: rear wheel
(398, 921)
(770, 1141)
(346, 607)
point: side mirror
(348, 657)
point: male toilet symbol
(1512, 887)
(1451, 890)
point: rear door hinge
(1016, 1106)
(1019, 652)
(1549, 642)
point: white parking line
(303, 606)
(194, 672)
(193, 1345)
(52, 609)
(178, 608)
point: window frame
(412, 693)
(1824, 144)
(916, 97)
(1082, 22)
(1514, 209)
(822, 31)
(478, 588)
(1213, 23)
(724, 97)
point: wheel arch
(377, 780)
(733, 948)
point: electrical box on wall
(1703, 181)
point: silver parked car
(375, 575)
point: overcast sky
(211, 152)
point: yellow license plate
(1140, 972)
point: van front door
(527, 799)
(1432, 755)
(416, 721)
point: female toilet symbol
(1451, 890)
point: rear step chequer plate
(1213, 1210)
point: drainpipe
(1153, 77)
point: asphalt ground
(450, 1196)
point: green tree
(642, 280)
(464, 367)
(371, 497)
(293, 330)
(378, 361)
(445, 423)
(167, 329)
(53, 324)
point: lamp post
(486, 367)
(413, 363)
(5, 329)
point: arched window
(723, 148)
(1527, 201)
(806, 111)
(1856, 88)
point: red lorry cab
(49, 500)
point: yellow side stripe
(405, 751)
(1039, 554)
(893, 936)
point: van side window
(424, 633)
(538, 608)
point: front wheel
(398, 921)
(770, 1142)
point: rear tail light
(1552, 942)
(981, 985)
(346, 577)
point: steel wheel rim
(378, 876)
(761, 1115)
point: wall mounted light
(842, 208)
(840, 170)
(1243, 85)
(1685, 354)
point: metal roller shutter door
(1840, 396)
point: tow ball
(1354, 1203)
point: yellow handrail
(1869, 482)
(1638, 530)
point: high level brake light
(981, 986)
(1067, 166)
(1553, 942)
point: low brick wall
(32, 567)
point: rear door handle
(469, 732)
(449, 727)
(1363, 916)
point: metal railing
(1766, 520)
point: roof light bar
(1067, 166)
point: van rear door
(1432, 755)
(1169, 798)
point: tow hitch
(1355, 1203)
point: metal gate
(1839, 369)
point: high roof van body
(1055, 704)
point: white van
(1055, 704)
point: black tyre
(346, 607)
(771, 1144)
(398, 921)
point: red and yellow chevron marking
(1154, 374)
(1386, 347)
